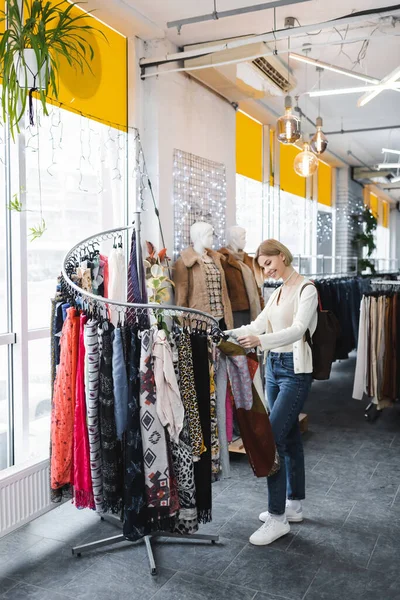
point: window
(73, 175)
(249, 210)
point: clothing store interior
(199, 292)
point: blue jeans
(286, 394)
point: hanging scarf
(135, 507)
(202, 468)
(254, 424)
(155, 453)
(215, 462)
(188, 395)
(136, 293)
(120, 380)
(221, 380)
(111, 448)
(117, 280)
(92, 358)
(169, 404)
(82, 479)
(63, 408)
(252, 290)
(229, 412)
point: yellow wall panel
(249, 147)
(271, 157)
(373, 204)
(103, 93)
(324, 184)
(289, 180)
(385, 213)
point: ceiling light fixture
(288, 127)
(329, 67)
(388, 166)
(354, 90)
(306, 163)
(391, 151)
(319, 142)
(389, 79)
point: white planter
(28, 72)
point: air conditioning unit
(252, 72)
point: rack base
(116, 539)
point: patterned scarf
(83, 490)
(188, 395)
(215, 462)
(155, 453)
(63, 408)
(254, 424)
(135, 508)
(136, 293)
(92, 357)
(111, 448)
(202, 468)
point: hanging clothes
(202, 468)
(110, 446)
(215, 454)
(155, 453)
(63, 407)
(82, 479)
(137, 292)
(92, 362)
(169, 404)
(120, 382)
(255, 427)
(135, 502)
(221, 387)
(188, 394)
(116, 280)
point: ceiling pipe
(344, 131)
(272, 36)
(215, 16)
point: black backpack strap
(307, 334)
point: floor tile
(326, 511)
(109, 579)
(321, 541)
(16, 542)
(338, 581)
(377, 491)
(199, 558)
(265, 569)
(6, 584)
(23, 591)
(185, 585)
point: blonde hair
(270, 248)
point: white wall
(177, 112)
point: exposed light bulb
(319, 142)
(288, 126)
(306, 163)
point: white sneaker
(293, 516)
(270, 531)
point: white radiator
(24, 495)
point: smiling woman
(280, 330)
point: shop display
(244, 294)
(200, 279)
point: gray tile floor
(347, 548)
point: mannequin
(199, 277)
(244, 294)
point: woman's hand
(249, 341)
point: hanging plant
(367, 221)
(34, 40)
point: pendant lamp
(319, 142)
(306, 163)
(288, 126)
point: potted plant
(365, 238)
(36, 36)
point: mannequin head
(201, 234)
(237, 237)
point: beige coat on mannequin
(190, 283)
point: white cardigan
(305, 317)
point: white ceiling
(339, 112)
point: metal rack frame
(90, 301)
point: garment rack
(91, 302)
